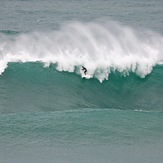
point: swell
(32, 87)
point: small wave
(9, 32)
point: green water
(87, 135)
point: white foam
(100, 47)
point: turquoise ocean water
(50, 113)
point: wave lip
(101, 47)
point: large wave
(103, 47)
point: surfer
(84, 69)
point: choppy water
(49, 112)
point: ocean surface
(50, 112)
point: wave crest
(102, 47)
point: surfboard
(87, 76)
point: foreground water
(85, 135)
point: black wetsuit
(85, 70)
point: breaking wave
(102, 47)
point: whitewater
(103, 47)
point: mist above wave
(100, 46)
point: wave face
(31, 87)
(102, 46)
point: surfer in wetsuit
(84, 69)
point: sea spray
(102, 47)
